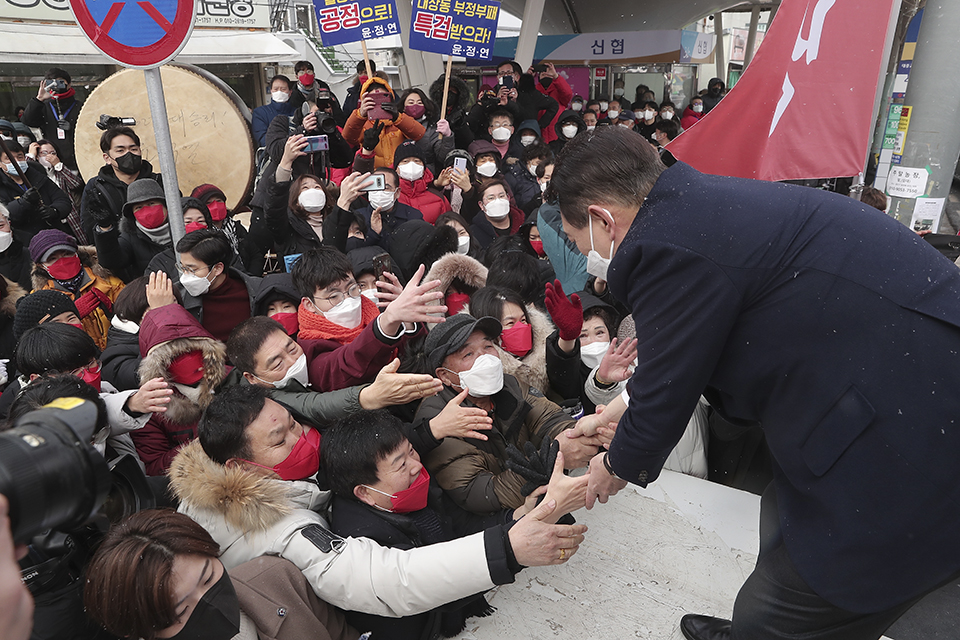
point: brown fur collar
(8, 305)
(246, 501)
(532, 369)
(154, 365)
(455, 265)
(88, 258)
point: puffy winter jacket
(420, 196)
(393, 134)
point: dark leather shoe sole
(696, 627)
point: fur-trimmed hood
(456, 266)
(8, 305)
(246, 501)
(458, 86)
(169, 332)
(88, 258)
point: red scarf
(69, 93)
(314, 326)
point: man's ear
(252, 379)
(310, 306)
(444, 376)
(233, 463)
(363, 495)
(603, 220)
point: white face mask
(597, 265)
(487, 169)
(577, 106)
(410, 171)
(297, 371)
(497, 209)
(543, 186)
(312, 200)
(603, 105)
(9, 168)
(527, 140)
(484, 378)
(463, 245)
(533, 170)
(6, 239)
(593, 353)
(382, 199)
(24, 141)
(666, 115)
(501, 134)
(591, 127)
(280, 96)
(697, 108)
(347, 314)
(569, 130)
(618, 92)
(195, 285)
(612, 114)
(371, 295)
(649, 114)
(190, 393)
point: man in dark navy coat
(828, 323)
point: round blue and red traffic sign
(139, 34)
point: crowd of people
(405, 404)
(388, 410)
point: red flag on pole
(803, 108)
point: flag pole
(446, 90)
(366, 58)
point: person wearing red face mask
(383, 493)
(184, 354)
(252, 452)
(60, 265)
(222, 218)
(143, 230)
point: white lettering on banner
(809, 46)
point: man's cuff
(383, 334)
(625, 396)
(502, 563)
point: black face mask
(130, 163)
(216, 616)
(546, 82)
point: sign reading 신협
(343, 21)
(455, 27)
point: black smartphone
(382, 264)
(540, 68)
(506, 81)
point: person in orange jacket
(391, 133)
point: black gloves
(392, 109)
(31, 199)
(535, 466)
(99, 211)
(371, 137)
(50, 215)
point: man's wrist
(606, 465)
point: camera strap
(50, 575)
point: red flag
(803, 108)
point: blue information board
(343, 21)
(455, 27)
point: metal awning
(27, 43)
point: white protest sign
(906, 182)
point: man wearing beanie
(216, 201)
(59, 265)
(44, 306)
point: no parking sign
(142, 34)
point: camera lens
(51, 476)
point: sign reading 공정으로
(455, 27)
(343, 21)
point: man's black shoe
(696, 627)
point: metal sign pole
(168, 168)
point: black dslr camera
(109, 122)
(54, 478)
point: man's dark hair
(668, 103)
(247, 338)
(362, 68)
(209, 246)
(514, 65)
(591, 103)
(542, 167)
(652, 104)
(536, 152)
(518, 271)
(487, 183)
(48, 388)
(498, 112)
(669, 127)
(106, 139)
(56, 72)
(303, 64)
(614, 165)
(13, 147)
(223, 428)
(54, 347)
(132, 303)
(318, 269)
(280, 76)
(354, 445)
(874, 198)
